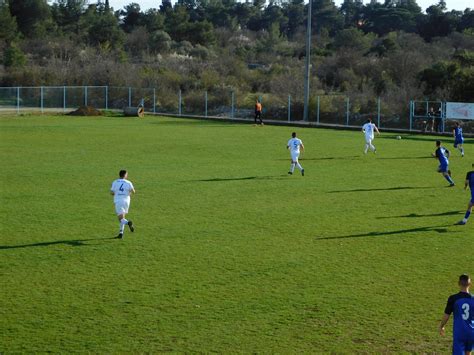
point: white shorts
(295, 156)
(121, 207)
(369, 140)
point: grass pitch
(230, 254)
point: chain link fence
(224, 102)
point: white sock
(366, 148)
(298, 165)
(292, 167)
(123, 223)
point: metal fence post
(129, 96)
(154, 100)
(347, 111)
(317, 112)
(378, 112)
(205, 104)
(41, 95)
(179, 103)
(232, 108)
(107, 97)
(18, 100)
(411, 114)
(64, 98)
(289, 108)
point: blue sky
(146, 4)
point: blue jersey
(470, 179)
(458, 133)
(461, 305)
(442, 154)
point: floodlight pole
(307, 64)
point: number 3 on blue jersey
(465, 308)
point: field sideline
(230, 254)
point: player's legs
(368, 144)
(121, 208)
(462, 347)
(292, 167)
(443, 169)
(468, 212)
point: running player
(121, 190)
(369, 129)
(462, 306)
(458, 138)
(443, 154)
(469, 182)
(294, 145)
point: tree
(441, 76)
(352, 12)
(153, 20)
(326, 17)
(353, 39)
(438, 22)
(132, 17)
(67, 13)
(101, 27)
(31, 16)
(294, 10)
(13, 57)
(8, 26)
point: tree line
(393, 50)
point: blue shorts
(458, 141)
(461, 346)
(472, 198)
(443, 168)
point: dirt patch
(85, 111)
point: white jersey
(121, 189)
(294, 145)
(369, 129)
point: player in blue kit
(443, 154)
(458, 138)
(461, 305)
(469, 182)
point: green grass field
(230, 253)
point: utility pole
(307, 64)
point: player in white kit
(121, 190)
(294, 145)
(369, 128)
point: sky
(460, 5)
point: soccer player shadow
(438, 229)
(240, 178)
(72, 243)
(416, 215)
(383, 189)
(351, 157)
(405, 158)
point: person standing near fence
(121, 190)
(430, 122)
(458, 138)
(258, 112)
(369, 129)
